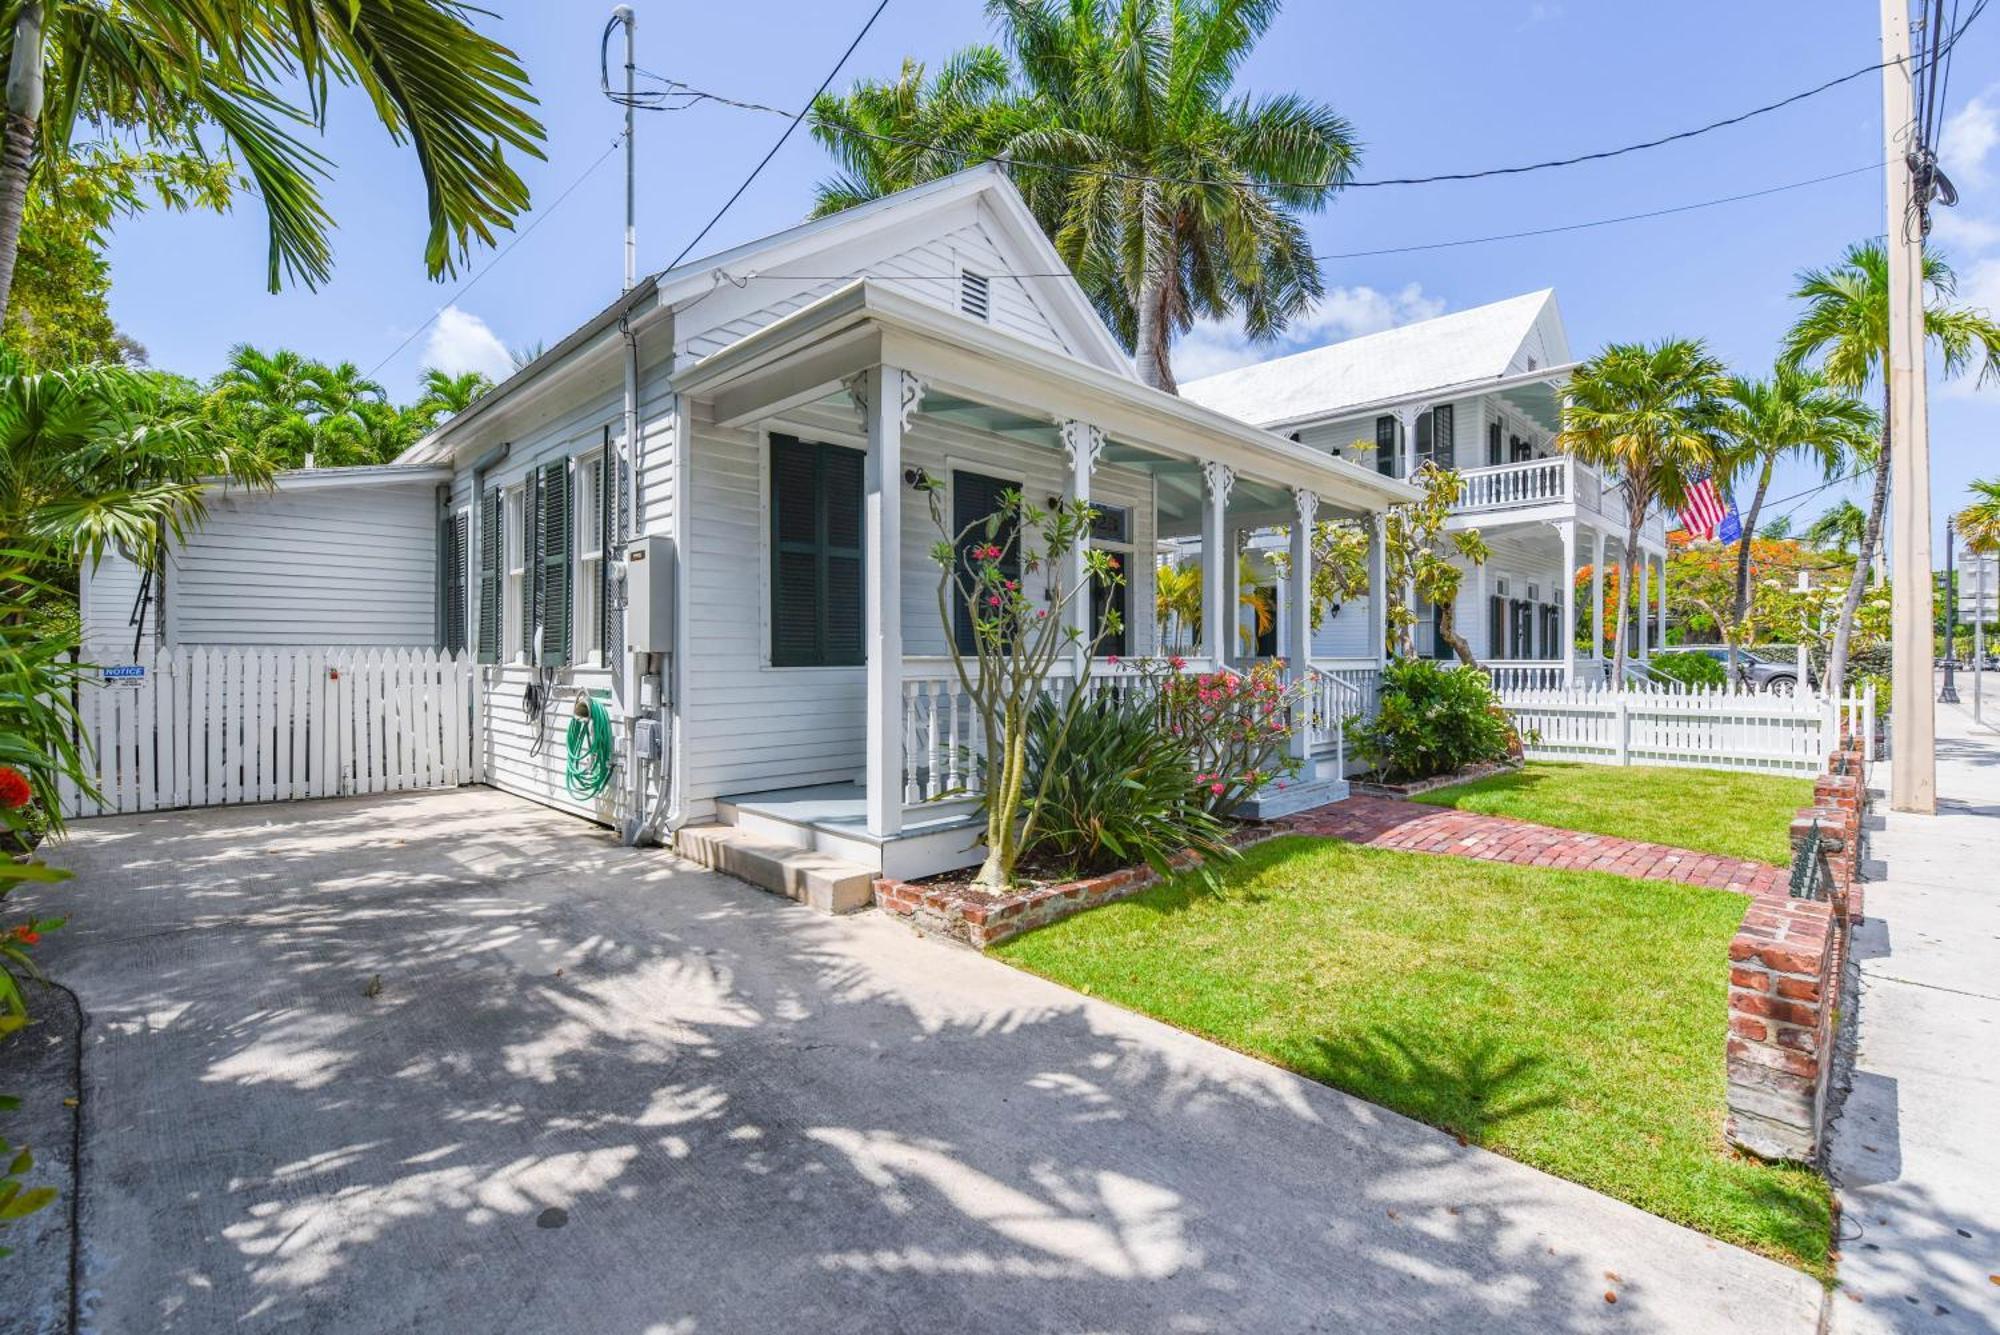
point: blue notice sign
(124, 674)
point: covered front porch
(938, 413)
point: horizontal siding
(106, 594)
(513, 763)
(751, 726)
(338, 565)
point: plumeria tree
(1017, 640)
(1425, 555)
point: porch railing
(1546, 674)
(1503, 486)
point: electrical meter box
(649, 594)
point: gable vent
(974, 296)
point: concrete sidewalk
(1916, 1145)
(452, 1062)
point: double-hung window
(589, 528)
(514, 524)
(816, 611)
(1111, 531)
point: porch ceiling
(1538, 401)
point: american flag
(1709, 513)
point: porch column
(1663, 602)
(1483, 611)
(1597, 600)
(1083, 443)
(1218, 564)
(1566, 645)
(1406, 417)
(892, 395)
(1378, 590)
(1298, 602)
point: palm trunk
(24, 110)
(1628, 565)
(1743, 544)
(1857, 583)
(1153, 341)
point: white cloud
(460, 341)
(1962, 232)
(1970, 134)
(1213, 346)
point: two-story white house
(1480, 391)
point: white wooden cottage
(700, 504)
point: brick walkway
(1387, 822)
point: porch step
(1273, 802)
(812, 878)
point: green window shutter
(555, 580)
(455, 602)
(1385, 445)
(1444, 445)
(974, 496)
(816, 568)
(491, 541)
(1494, 448)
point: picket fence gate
(214, 727)
(1715, 728)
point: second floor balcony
(1550, 487)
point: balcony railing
(1554, 480)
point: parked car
(1777, 678)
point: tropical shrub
(1116, 789)
(1236, 726)
(1691, 669)
(1433, 720)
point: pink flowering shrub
(1236, 726)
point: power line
(499, 255)
(793, 125)
(677, 95)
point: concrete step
(1272, 802)
(813, 879)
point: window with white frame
(589, 527)
(1111, 531)
(515, 527)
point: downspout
(641, 822)
(683, 483)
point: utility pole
(623, 14)
(1913, 712)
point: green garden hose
(590, 748)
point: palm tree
(1650, 413)
(1170, 196)
(101, 455)
(1979, 522)
(1845, 325)
(1840, 529)
(1792, 413)
(183, 75)
(447, 395)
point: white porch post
(1483, 610)
(1298, 605)
(1597, 600)
(1083, 443)
(1218, 564)
(1663, 602)
(892, 395)
(1566, 646)
(1406, 417)
(1378, 590)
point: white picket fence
(213, 727)
(1721, 728)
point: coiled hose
(590, 749)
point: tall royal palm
(1649, 414)
(1845, 326)
(1793, 414)
(1172, 196)
(247, 73)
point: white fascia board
(320, 479)
(922, 337)
(1439, 394)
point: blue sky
(1445, 86)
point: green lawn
(1708, 810)
(1571, 1020)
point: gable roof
(1461, 348)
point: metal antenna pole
(623, 14)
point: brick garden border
(978, 919)
(1785, 969)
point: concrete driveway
(599, 1090)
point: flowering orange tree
(1017, 639)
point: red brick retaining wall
(1785, 967)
